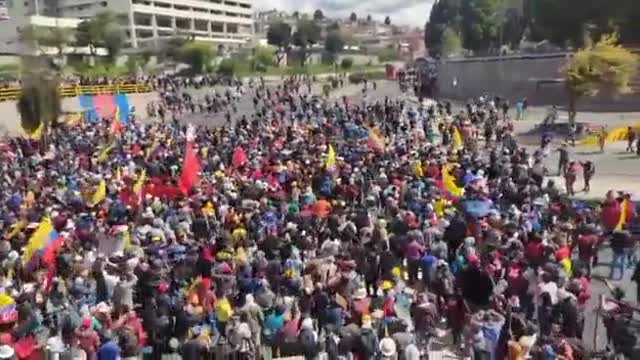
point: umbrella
(477, 208)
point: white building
(221, 22)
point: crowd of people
(325, 229)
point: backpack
(369, 345)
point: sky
(401, 12)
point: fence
(72, 91)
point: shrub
(346, 63)
(227, 67)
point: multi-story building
(227, 23)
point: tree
(307, 34)
(36, 37)
(172, 47)
(39, 101)
(279, 35)
(451, 43)
(444, 14)
(101, 31)
(561, 22)
(353, 17)
(197, 54)
(512, 28)
(481, 19)
(32, 36)
(318, 15)
(387, 21)
(369, 19)
(227, 68)
(263, 57)
(605, 65)
(346, 63)
(296, 15)
(334, 44)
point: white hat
(387, 347)
(360, 294)
(6, 352)
(102, 307)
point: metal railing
(13, 93)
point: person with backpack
(368, 343)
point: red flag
(190, 170)
(51, 251)
(116, 127)
(239, 157)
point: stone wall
(536, 77)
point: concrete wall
(516, 77)
(11, 119)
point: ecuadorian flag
(45, 242)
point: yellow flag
(450, 184)
(624, 209)
(100, 194)
(150, 149)
(38, 240)
(126, 239)
(35, 134)
(438, 207)
(331, 159)
(105, 153)
(417, 169)
(137, 187)
(456, 139)
(16, 228)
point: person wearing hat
(388, 349)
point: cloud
(401, 12)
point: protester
(309, 228)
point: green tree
(227, 68)
(307, 34)
(334, 44)
(33, 36)
(605, 65)
(369, 19)
(39, 101)
(512, 28)
(480, 23)
(36, 37)
(318, 15)
(197, 54)
(387, 21)
(444, 14)
(263, 57)
(101, 31)
(451, 43)
(346, 63)
(279, 35)
(561, 22)
(353, 17)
